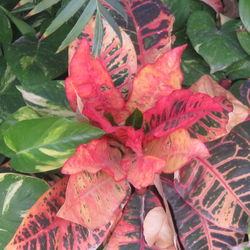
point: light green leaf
(47, 98)
(98, 36)
(244, 9)
(43, 5)
(44, 144)
(72, 7)
(18, 194)
(80, 24)
(244, 39)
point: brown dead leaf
(208, 86)
(157, 229)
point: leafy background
(33, 65)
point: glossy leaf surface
(42, 229)
(92, 199)
(152, 23)
(176, 149)
(18, 194)
(44, 144)
(195, 231)
(219, 48)
(244, 8)
(97, 155)
(218, 187)
(180, 109)
(118, 59)
(128, 234)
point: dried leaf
(92, 199)
(208, 86)
(157, 230)
(176, 149)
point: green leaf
(44, 144)
(118, 8)
(244, 39)
(32, 61)
(5, 29)
(47, 98)
(239, 70)
(43, 5)
(80, 24)
(244, 9)
(24, 113)
(22, 26)
(111, 21)
(219, 48)
(72, 7)
(135, 119)
(18, 194)
(98, 37)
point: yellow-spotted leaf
(42, 229)
(176, 149)
(118, 59)
(92, 199)
(128, 234)
(208, 86)
(218, 187)
(195, 231)
(44, 144)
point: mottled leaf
(195, 231)
(217, 5)
(208, 86)
(92, 199)
(128, 234)
(44, 144)
(149, 26)
(155, 81)
(218, 187)
(100, 154)
(119, 59)
(176, 149)
(42, 229)
(18, 194)
(219, 48)
(180, 109)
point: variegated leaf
(180, 109)
(149, 25)
(217, 5)
(92, 199)
(119, 59)
(42, 229)
(218, 187)
(195, 231)
(128, 234)
(176, 149)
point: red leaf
(141, 170)
(90, 82)
(180, 109)
(42, 229)
(195, 231)
(119, 60)
(128, 234)
(92, 199)
(152, 23)
(97, 155)
(155, 81)
(176, 149)
(217, 5)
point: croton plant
(151, 165)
